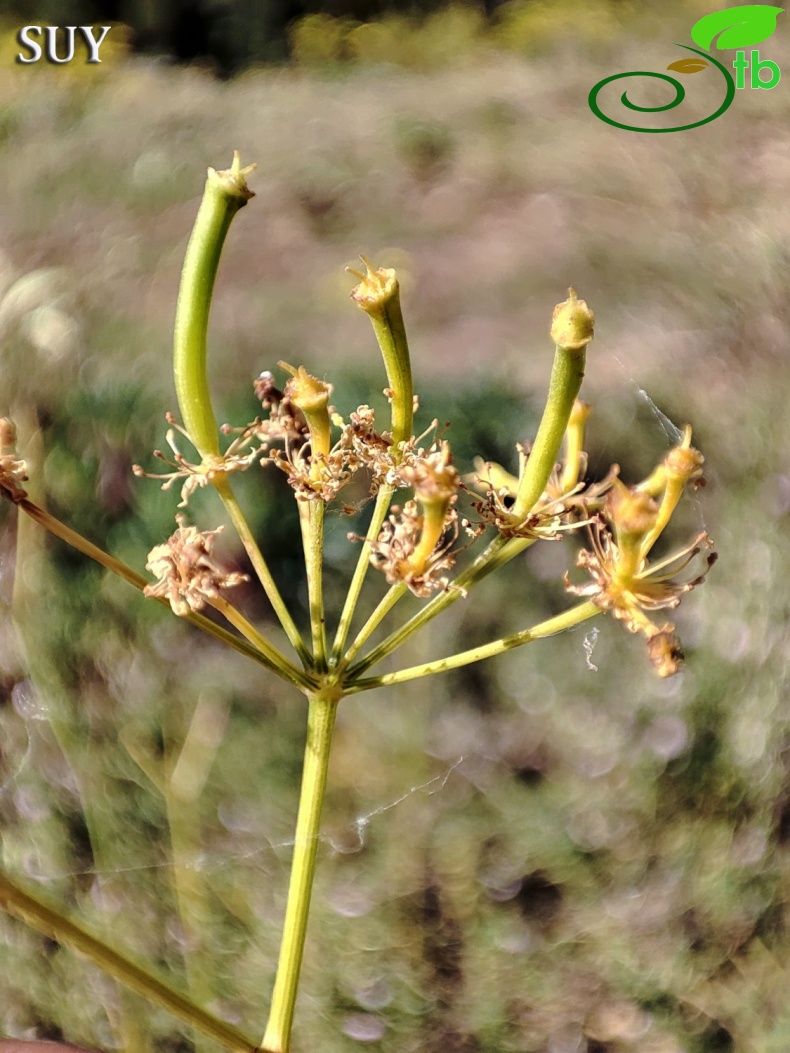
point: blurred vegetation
(550, 852)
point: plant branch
(380, 509)
(385, 605)
(48, 920)
(77, 541)
(574, 616)
(260, 566)
(311, 519)
(500, 551)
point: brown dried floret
(13, 470)
(558, 511)
(396, 551)
(239, 456)
(187, 574)
(627, 589)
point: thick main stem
(320, 724)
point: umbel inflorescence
(417, 540)
(417, 544)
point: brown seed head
(665, 651)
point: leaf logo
(738, 27)
(688, 65)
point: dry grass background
(531, 855)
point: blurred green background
(554, 851)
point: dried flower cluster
(566, 503)
(13, 471)
(236, 458)
(187, 574)
(624, 583)
(415, 545)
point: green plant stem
(285, 669)
(498, 552)
(320, 724)
(311, 520)
(574, 616)
(566, 379)
(564, 385)
(48, 920)
(391, 336)
(261, 568)
(380, 509)
(386, 604)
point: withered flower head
(432, 476)
(187, 574)
(241, 454)
(13, 470)
(627, 590)
(665, 651)
(399, 551)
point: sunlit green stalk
(311, 519)
(386, 604)
(320, 724)
(378, 295)
(278, 661)
(498, 552)
(28, 908)
(225, 193)
(380, 509)
(558, 624)
(571, 331)
(260, 566)
(566, 380)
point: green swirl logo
(737, 27)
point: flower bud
(572, 323)
(311, 396)
(375, 289)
